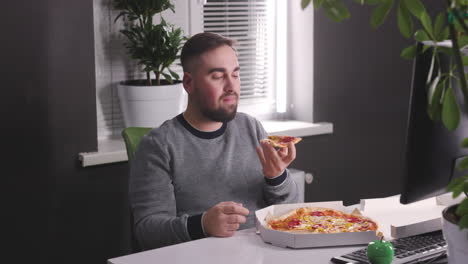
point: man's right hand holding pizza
(223, 219)
(275, 162)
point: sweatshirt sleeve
(286, 192)
(153, 202)
(279, 190)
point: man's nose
(229, 84)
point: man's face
(215, 84)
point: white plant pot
(150, 106)
(457, 241)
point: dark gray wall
(362, 86)
(58, 212)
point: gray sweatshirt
(179, 172)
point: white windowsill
(113, 150)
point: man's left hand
(274, 162)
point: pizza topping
(293, 223)
(353, 219)
(282, 141)
(317, 214)
(286, 139)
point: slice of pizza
(282, 141)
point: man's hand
(275, 162)
(223, 219)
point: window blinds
(249, 22)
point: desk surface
(248, 247)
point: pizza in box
(321, 221)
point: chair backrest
(132, 137)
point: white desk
(248, 247)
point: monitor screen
(432, 151)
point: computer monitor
(432, 151)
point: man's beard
(220, 114)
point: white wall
(300, 60)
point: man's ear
(187, 81)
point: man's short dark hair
(201, 43)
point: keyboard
(423, 248)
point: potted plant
(449, 24)
(155, 47)
(455, 219)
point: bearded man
(205, 172)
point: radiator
(300, 178)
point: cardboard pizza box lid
(419, 217)
(291, 240)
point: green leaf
(431, 67)
(167, 77)
(435, 106)
(446, 50)
(427, 23)
(463, 222)
(381, 12)
(405, 23)
(369, 2)
(465, 60)
(463, 165)
(462, 208)
(462, 41)
(444, 34)
(456, 186)
(409, 52)
(433, 87)
(450, 110)
(318, 3)
(438, 27)
(457, 25)
(440, 19)
(421, 35)
(415, 7)
(174, 74)
(464, 143)
(336, 10)
(305, 3)
(425, 48)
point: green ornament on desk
(380, 252)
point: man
(203, 172)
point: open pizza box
(300, 240)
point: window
(252, 24)
(276, 64)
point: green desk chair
(132, 137)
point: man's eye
(217, 76)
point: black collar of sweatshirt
(202, 134)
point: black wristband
(194, 226)
(277, 180)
